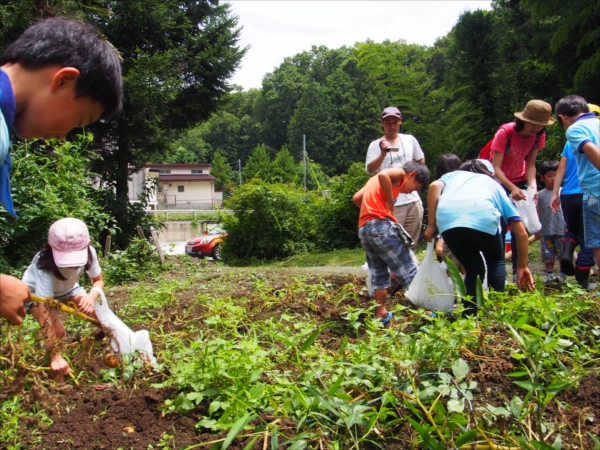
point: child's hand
(525, 280)
(13, 295)
(85, 303)
(60, 365)
(555, 203)
(429, 233)
(518, 194)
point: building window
(160, 190)
(164, 171)
(196, 171)
(180, 188)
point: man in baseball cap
(393, 150)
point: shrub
(338, 215)
(269, 221)
(139, 261)
(49, 181)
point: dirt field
(98, 415)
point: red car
(206, 245)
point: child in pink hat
(54, 272)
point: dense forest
(178, 58)
(453, 95)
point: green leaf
(533, 330)
(275, 441)
(410, 406)
(529, 385)
(298, 445)
(322, 400)
(429, 442)
(460, 369)
(479, 292)
(516, 374)
(456, 405)
(521, 321)
(465, 438)
(335, 386)
(237, 427)
(457, 280)
(541, 446)
(313, 336)
(555, 388)
(250, 444)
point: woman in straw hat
(515, 148)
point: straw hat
(537, 112)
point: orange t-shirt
(374, 205)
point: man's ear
(64, 77)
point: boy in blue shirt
(583, 133)
(58, 75)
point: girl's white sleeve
(94, 269)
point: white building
(178, 186)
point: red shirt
(514, 165)
(374, 204)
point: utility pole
(304, 157)
(240, 170)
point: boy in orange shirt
(386, 244)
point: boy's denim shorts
(63, 298)
(591, 221)
(387, 246)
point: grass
(339, 258)
(351, 257)
(298, 360)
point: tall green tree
(258, 164)
(181, 155)
(177, 58)
(222, 171)
(283, 167)
(574, 42)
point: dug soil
(98, 415)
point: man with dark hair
(393, 150)
(58, 75)
(583, 135)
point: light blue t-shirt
(585, 129)
(474, 201)
(571, 180)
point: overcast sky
(276, 29)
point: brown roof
(177, 166)
(162, 178)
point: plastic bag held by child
(430, 288)
(122, 339)
(528, 212)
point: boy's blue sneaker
(386, 320)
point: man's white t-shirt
(45, 284)
(409, 150)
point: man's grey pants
(410, 216)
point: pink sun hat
(69, 239)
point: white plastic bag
(528, 212)
(122, 339)
(430, 288)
